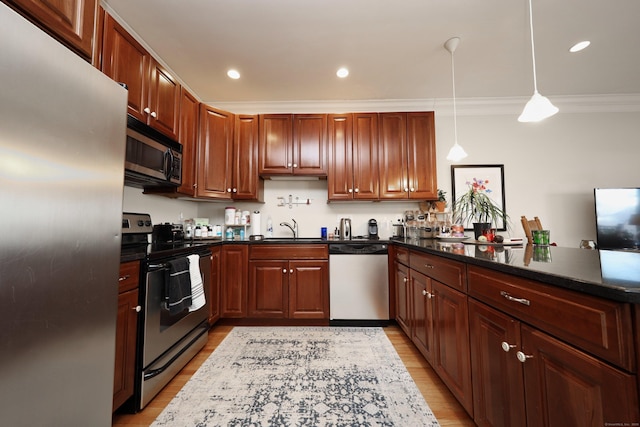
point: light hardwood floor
(445, 407)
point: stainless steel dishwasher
(358, 284)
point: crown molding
(626, 103)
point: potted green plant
(441, 204)
(476, 207)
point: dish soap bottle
(269, 227)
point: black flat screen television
(618, 218)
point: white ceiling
(289, 50)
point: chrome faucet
(294, 228)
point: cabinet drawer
(129, 276)
(595, 325)
(443, 270)
(288, 251)
(402, 255)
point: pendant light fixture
(539, 107)
(456, 153)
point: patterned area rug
(300, 376)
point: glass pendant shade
(456, 153)
(538, 108)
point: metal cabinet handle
(137, 309)
(350, 190)
(412, 189)
(523, 357)
(357, 190)
(405, 280)
(288, 165)
(235, 190)
(228, 190)
(291, 271)
(284, 270)
(430, 266)
(147, 110)
(153, 114)
(123, 278)
(295, 165)
(506, 346)
(522, 301)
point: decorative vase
(479, 227)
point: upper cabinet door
(214, 153)
(365, 156)
(126, 61)
(276, 149)
(164, 113)
(245, 182)
(70, 21)
(393, 156)
(189, 111)
(421, 149)
(310, 144)
(340, 173)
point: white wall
(550, 167)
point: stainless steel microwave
(151, 158)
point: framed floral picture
(488, 179)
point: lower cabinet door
(566, 387)
(422, 314)
(268, 281)
(309, 289)
(126, 327)
(451, 337)
(403, 298)
(498, 383)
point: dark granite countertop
(613, 275)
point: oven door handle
(155, 372)
(156, 267)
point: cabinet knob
(357, 190)
(147, 110)
(523, 357)
(506, 346)
(427, 294)
(406, 189)
(123, 278)
(405, 280)
(288, 165)
(228, 190)
(429, 266)
(295, 165)
(153, 114)
(235, 190)
(284, 270)
(137, 309)
(291, 271)
(412, 189)
(350, 190)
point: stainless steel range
(167, 339)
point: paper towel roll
(255, 223)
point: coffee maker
(373, 229)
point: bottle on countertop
(229, 233)
(269, 227)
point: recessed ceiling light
(579, 46)
(342, 73)
(234, 74)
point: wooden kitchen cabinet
(214, 284)
(126, 332)
(154, 94)
(233, 286)
(245, 182)
(289, 281)
(440, 320)
(566, 358)
(69, 21)
(353, 156)
(188, 137)
(403, 299)
(407, 156)
(293, 144)
(215, 150)
(521, 373)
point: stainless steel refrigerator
(62, 145)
